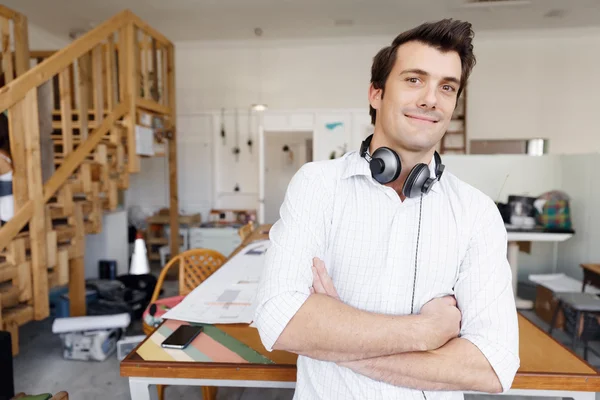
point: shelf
(192, 219)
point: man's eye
(413, 80)
(448, 88)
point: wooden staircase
(99, 86)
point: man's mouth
(422, 118)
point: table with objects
(516, 236)
(232, 355)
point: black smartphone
(182, 337)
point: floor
(40, 368)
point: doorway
(284, 154)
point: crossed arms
(422, 351)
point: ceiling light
(259, 107)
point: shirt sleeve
(298, 236)
(485, 296)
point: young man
(387, 277)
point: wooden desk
(591, 275)
(547, 367)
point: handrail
(7, 12)
(73, 160)
(16, 90)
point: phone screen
(182, 336)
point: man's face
(420, 96)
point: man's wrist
(420, 328)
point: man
(388, 279)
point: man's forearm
(327, 329)
(458, 365)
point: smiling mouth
(423, 119)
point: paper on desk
(561, 283)
(228, 295)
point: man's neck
(408, 158)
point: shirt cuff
(272, 318)
(504, 362)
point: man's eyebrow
(425, 73)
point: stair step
(56, 210)
(8, 272)
(9, 295)
(58, 140)
(57, 113)
(20, 314)
(57, 125)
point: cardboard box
(545, 304)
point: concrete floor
(40, 368)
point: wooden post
(66, 116)
(77, 304)
(28, 111)
(173, 194)
(110, 73)
(7, 59)
(154, 53)
(21, 44)
(84, 94)
(98, 84)
(133, 91)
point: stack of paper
(227, 296)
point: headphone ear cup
(391, 165)
(413, 186)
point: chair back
(195, 266)
(246, 230)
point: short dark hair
(445, 35)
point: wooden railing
(100, 83)
(13, 29)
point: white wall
(525, 84)
(41, 39)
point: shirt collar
(357, 165)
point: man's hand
(322, 283)
(443, 317)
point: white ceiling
(236, 19)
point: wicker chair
(246, 230)
(194, 267)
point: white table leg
(140, 389)
(513, 260)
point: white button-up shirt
(367, 237)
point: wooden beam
(151, 105)
(41, 54)
(173, 190)
(164, 96)
(84, 73)
(15, 224)
(133, 87)
(37, 225)
(34, 77)
(21, 45)
(150, 30)
(98, 83)
(111, 74)
(77, 304)
(7, 13)
(7, 59)
(154, 54)
(64, 79)
(74, 160)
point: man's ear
(375, 96)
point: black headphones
(386, 166)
